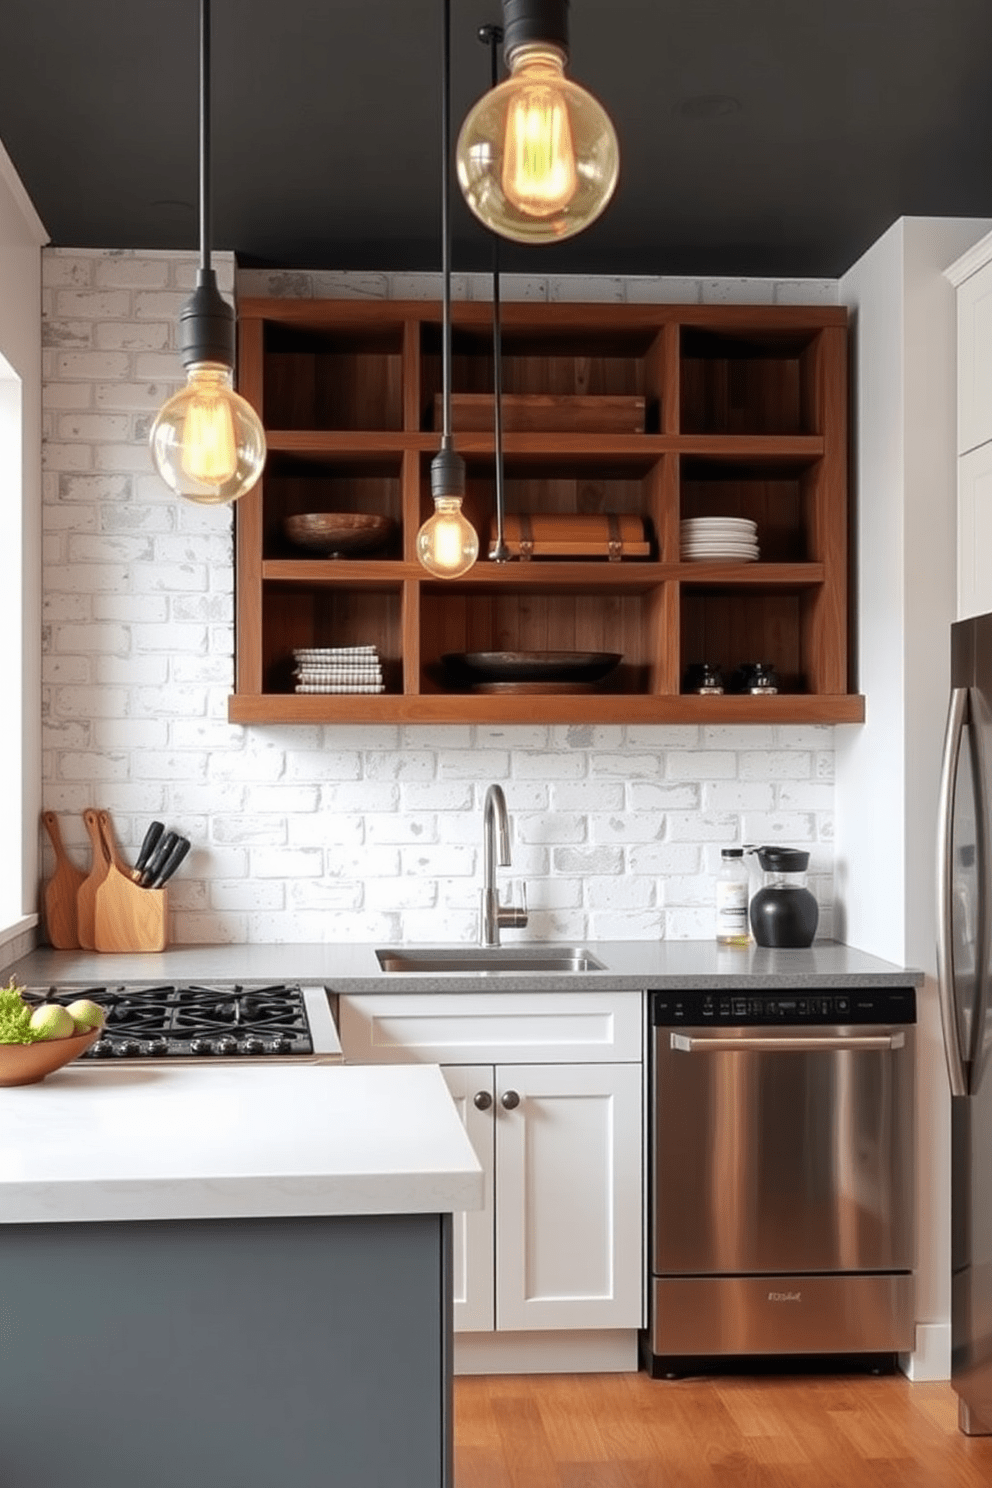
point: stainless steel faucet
(495, 916)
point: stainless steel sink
(515, 959)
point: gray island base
(240, 1353)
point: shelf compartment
(550, 366)
(754, 381)
(728, 625)
(330, 377)
(294, 484)
(779, 497)
(332, 614)
(501, 617)
(562, 486)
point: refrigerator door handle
(957, 715)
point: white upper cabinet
(975, 360)
(971, 276)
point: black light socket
(447, 473)
(528, 21)
(206, 324)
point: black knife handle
(155, 830)
(171, 863)
(158, 857)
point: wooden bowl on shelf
(338, 534)
(26, 1064)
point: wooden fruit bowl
(26, 1064)
(338, 534)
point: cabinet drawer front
(474, 1028)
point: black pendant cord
(206, 321)
(446, 228)
(205, 135)
(492, 36)
(447, 466)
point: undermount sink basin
(490, 958)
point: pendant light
(499, 552)
(447, 544)
(537, 156)
(207, 442)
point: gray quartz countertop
(628, 965)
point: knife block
(127, 917)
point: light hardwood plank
(628, 1431)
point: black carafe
(783, 912)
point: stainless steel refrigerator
(964, 968)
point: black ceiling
(765, 137)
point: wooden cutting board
(61, 891)
(127, 917)
(86, 895)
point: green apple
(85, 1014)
(52, 1021)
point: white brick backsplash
(335, 833)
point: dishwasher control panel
(738, 1009)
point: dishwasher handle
(830, 1043)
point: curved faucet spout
(495, 849)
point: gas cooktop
(194, 1022)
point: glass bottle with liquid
(731, 899)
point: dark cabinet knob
(482, 1100)
(510, 1100)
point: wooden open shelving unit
(744, 414)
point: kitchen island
(228, 1278)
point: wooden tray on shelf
(543, 413)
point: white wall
(904, 349)
(320, 833)
(21, 237)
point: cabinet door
(975, 532)
(975, 360)
(474, 1258)
(569, 1196)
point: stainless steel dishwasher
(782, 1175)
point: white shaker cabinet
(972, 277)
(550, 1088)
(975, 531)
(975, 355)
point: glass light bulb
(207, 442)
(537, 156)
(447, 543)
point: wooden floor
(628, 1431)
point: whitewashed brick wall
(353, 834)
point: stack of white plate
(719, 540)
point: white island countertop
(213, 1142)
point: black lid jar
(783, 913)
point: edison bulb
(207, 442)
(447, 543)
(537, 156)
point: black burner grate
(197, 1021)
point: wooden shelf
(744, 414)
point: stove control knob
(252, 1045)
(226, 1044)
(101, 1049)
(280, 1045)
(201, 1046)
(156, 1047)
(127, 1049)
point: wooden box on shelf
(654, 414)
